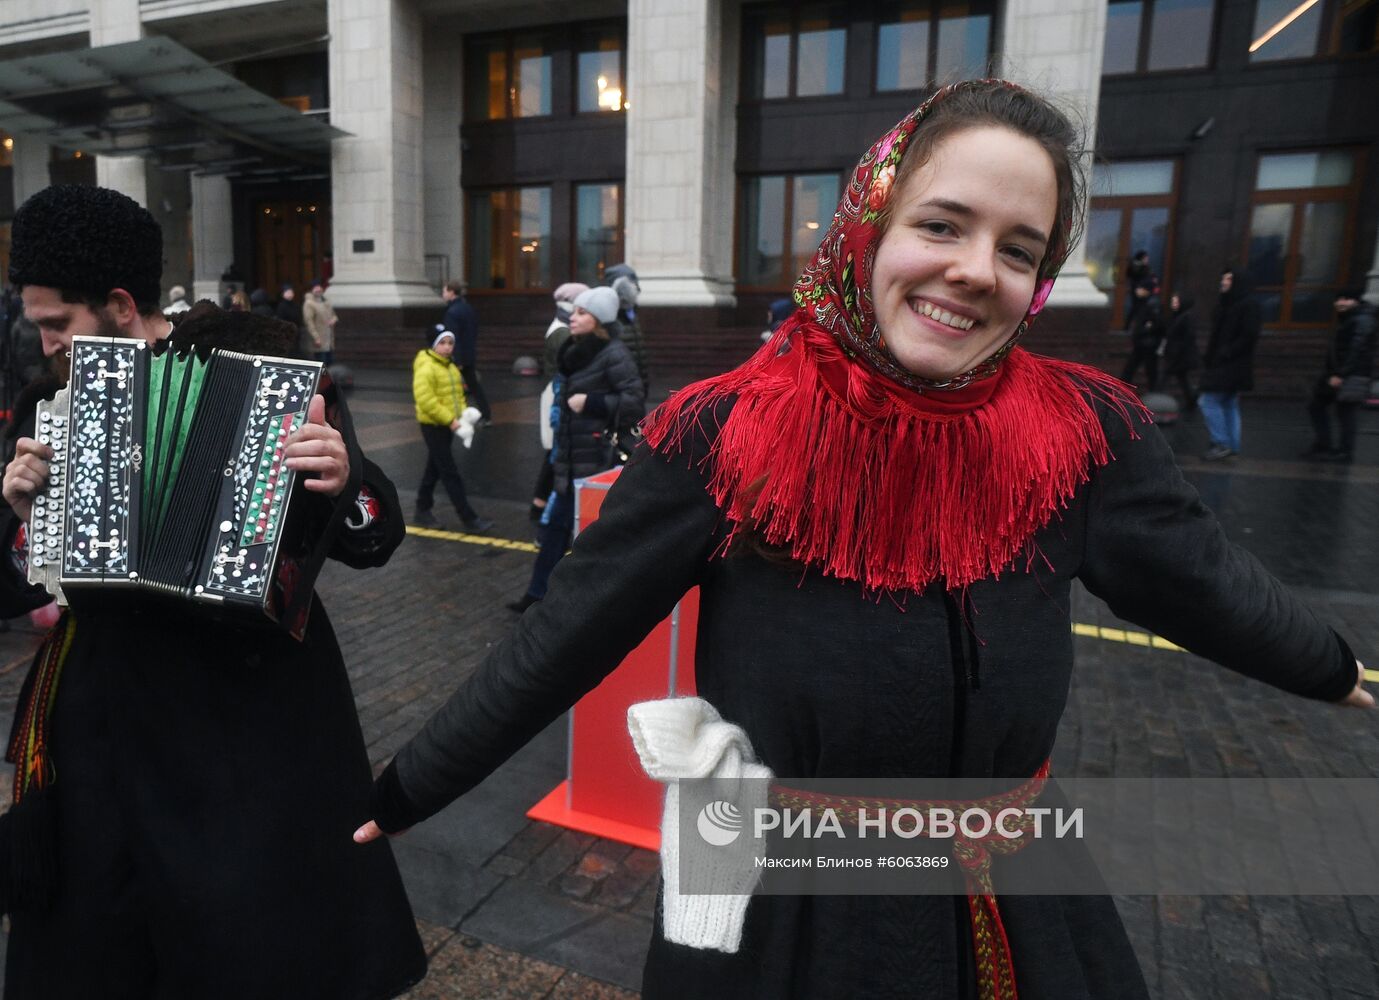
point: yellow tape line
(460, 536)
(1152, 641)
(1128, 636)
(1125, 635)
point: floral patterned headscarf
(835, 288)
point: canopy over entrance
(155, 99)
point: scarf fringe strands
(872, 482)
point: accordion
(168, 479)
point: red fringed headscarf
(869, 472)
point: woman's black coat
(606, 372)
(1180, 344)
(829, 682)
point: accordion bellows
(168, 477)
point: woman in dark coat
(1228, 368)
(1180, 354)
(597, 394)
(885, 509)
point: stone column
(442, 102)
(113, 22)
(682, 87)
(376, 172)
(1054, 47)
(30, 158)
(213, 244)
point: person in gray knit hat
(598, 394)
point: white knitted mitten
(685, 738)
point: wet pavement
(518, 909)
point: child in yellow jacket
(438, 392)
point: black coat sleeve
(649, 545)
(1358, 347)
(628, 396)
(1159, 558)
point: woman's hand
(577, 401)
(1359, 697)
(26, 476)
(318, 447)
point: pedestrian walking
(1146, 343)
(1345, 379)
(1228, 367)
(1142, 284)
(288, 309)
(318, 323)
(884, 510)
(260, 304)
(459, 319)
(623, 280)
(177, 302)
(438, 392)
(557, 332)
(598, 396)
(1179, 352)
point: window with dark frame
(508, 76)
(1288, 29)
(599, 71)
(782, 219)
(1151, 36)
(508, 232)
(927, 42)
(598, 229)
(1302, 230)
(800, 52)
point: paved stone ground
(516, 909)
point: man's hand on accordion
(317, 449)
(27, 475)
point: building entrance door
(291, 238)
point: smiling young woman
(923, 492)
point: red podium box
(605, 791)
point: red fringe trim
(868, 481)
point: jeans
(558, 524)
(440, 466)
(1221, 411)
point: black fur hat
(89, 240)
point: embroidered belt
(28, 748)
(995, 964)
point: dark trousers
(1147, 356)
(440, 465)
(545, 479)
(1189, 396)
(554, 537)
(1323, 397)
(474, 391)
